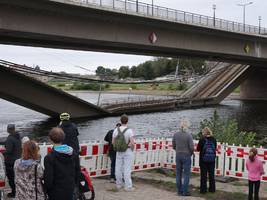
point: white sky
(65, 60)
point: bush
(226, 131)
(181, 86)
(133, 86)
(170, 86)
(61, 85)
(107, 86)
(85, 86)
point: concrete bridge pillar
(255, 86)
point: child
(255, 171)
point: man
(11, 154)
(112, 153)
(184, 147)
(61, 171)
(71, 132)
(124, 156)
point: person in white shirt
(124, 160)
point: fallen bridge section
(30, 93)
(218, 83)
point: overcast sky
(66, 60)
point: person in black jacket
(111, 153)
(207, 147)
(61, 172)
(11, 154)
(71, 132)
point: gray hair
(185, 124)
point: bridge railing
(151, 153)
(149, 10)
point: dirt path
(106, 191)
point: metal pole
(152, 7)
(214, 14)
(244, 13)
(259, 24)
(136, 5)
(177, 68)
(99, 95)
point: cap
(64, 116)
(11, 127)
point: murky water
(252, 116)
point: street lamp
(260, 24)
(137, 6)
(152, 7)
(214, 15)
(244, 5)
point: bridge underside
(35, 95)
(56, 25)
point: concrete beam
(38, 96)
(56, 25)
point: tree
(124, 72)
(227, 131)
(100, 71)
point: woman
(28, 173)
(207, 147)
(255, 171)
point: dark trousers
(254, 186)
(11, 176)
(113, 164)
(207, 169)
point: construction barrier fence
(152, 153)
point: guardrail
(169, 14)
(151, 153)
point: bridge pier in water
(254, 87)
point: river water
(252, 116)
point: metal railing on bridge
(169, 14)
(151, 153)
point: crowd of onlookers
(59, 178)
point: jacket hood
(26, 165)
(64, 149)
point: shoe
(112, 180)
(11, 195)
(131, 189)
(203, 192)
(187, 194)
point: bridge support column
(255, 86)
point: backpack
(120, 144)
(209, 151)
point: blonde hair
(185, 124)
(207, 132)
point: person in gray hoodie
(28, 173)
(184, 147)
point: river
(252, 116)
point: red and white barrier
(151, 153)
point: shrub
(85, 86)
(133, 86)
(61, 85)
(181, 86)
(227, 131)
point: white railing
(169, 14)
(153, 153)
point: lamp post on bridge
(260, 24)
(152, 7)
(214, 14)
(137, 6)
(244, 5)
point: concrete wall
(255, 86)
(50, 24)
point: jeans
(11, 176)
(256, 186)
(183, 168)
(123, 168)
(207, 169)
(112, 157)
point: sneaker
(131, 189)
(187, 194)
(11, 195)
